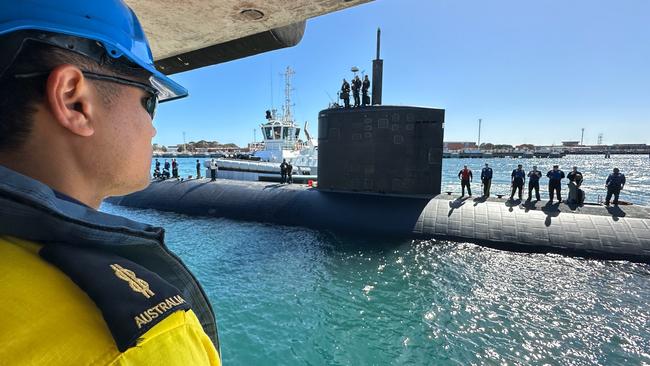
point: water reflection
(295, 296)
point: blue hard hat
(111, 23)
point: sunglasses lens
(150, 103)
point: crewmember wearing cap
(365, 85)
(533, 183)
(517, 180)
(78, 90)
(614, 183)
(465, 176)
(555, 177)
(356, 86)
(345, 93)
(486, 180)
(576, 195)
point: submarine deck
(616, 232)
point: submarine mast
(377, 73)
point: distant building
(570, 143)
(629, 146)
(459, 146)
(525, 147)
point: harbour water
(295, 296)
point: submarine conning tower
(381, 149)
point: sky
(534, 72)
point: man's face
(123, 135)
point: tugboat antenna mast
(287, 94)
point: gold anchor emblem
(136, 284)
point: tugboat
(282, 141)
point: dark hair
(19, 97)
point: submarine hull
(590, 230)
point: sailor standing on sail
(365, 100)
(356, 85)
(345, 93)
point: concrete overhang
(189, 34)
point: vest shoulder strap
(131, 298)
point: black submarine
(379, 173)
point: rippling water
(295, 296)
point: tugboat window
(267, 133)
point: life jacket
(65, 225)
(94, 304)
(465, 174)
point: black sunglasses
(149, 102)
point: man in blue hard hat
(78, 91)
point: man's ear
(70, 99)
